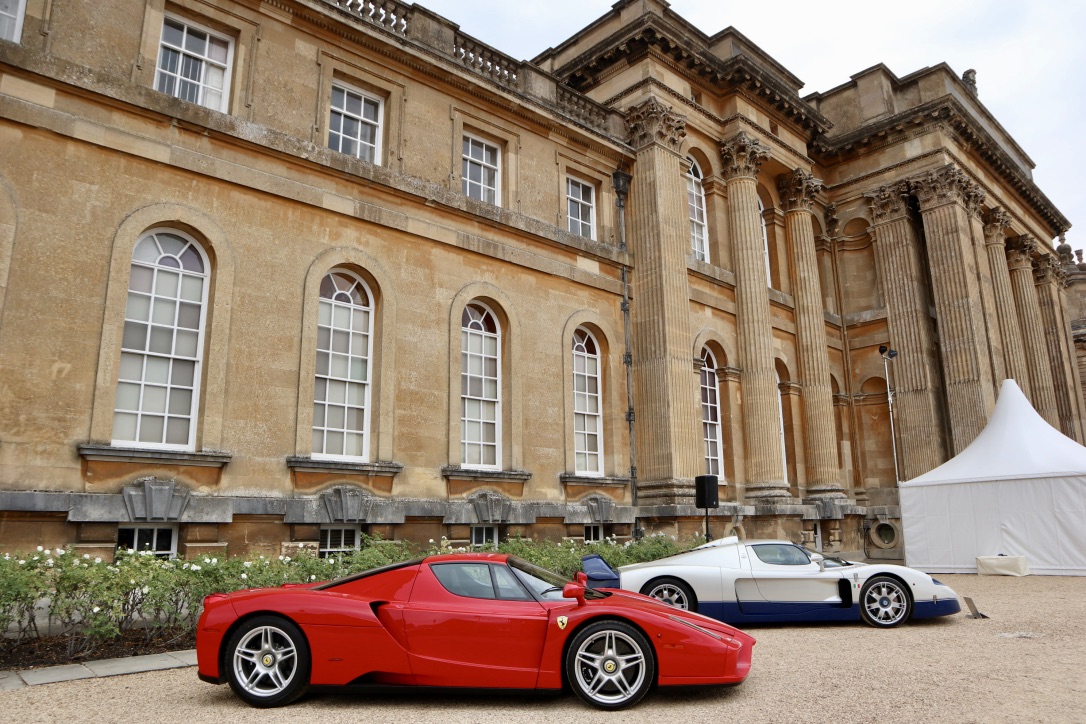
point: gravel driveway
(1026, 663)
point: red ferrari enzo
(478, 620)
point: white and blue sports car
(774, 581)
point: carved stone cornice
(995, 221)
(888, 202)
(798, 189)
(946, 185)
(654, 122)
(743, 155)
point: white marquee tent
(1019, 489)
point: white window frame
(327, 532)
(484, 535)
(17, 21)
(582, 407)
(712, 429)
(695, 202)
(321, 407)
(146, 353)
(466, 399)
(379, 125)
(780, 424)
(593, 533)
(467, 160)
(227, 67)
(157, 528)
(576, 224)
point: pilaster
(1050, 278)
(797, 192)
(666, 393)
(765, 482)
(1033, 337)
(944, 197)
(918, 418)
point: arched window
(341, 391)
(162, 347)
(780, 424)
(695, 199)
(710, 415)
(587, 411)
(480, 388)
(765, 244)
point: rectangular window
(480, 174)
(593, 533)
(339, 539)
(581, 208)
(710, 420)
(354, 126)
(194, 64)
(162, 540)
(11, 19)
(484, 535)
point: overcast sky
(1030, 56)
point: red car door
(470, 623)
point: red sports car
(479, 620)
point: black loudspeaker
(706, 494)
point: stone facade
(284, 272)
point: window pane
(177, 431)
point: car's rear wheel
(610, 664)
(885, 602)
(671, 591)
(268, 661)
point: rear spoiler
(600, 575)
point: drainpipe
(621, 181)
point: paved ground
(1024, 664)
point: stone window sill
(308, 464)
(110, 453)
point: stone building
(288, 271)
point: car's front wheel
(610, 664)
(671, 591)
(267, 661)
(885, 602)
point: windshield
(830, 561)
(544, 584)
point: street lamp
(887, 355)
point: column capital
(946, 185)
(995, 221)
(654, 122)
(888, 202)
(830, 216)
(798, 189)
(743, 156)
(1020, 252)
(1047, 270)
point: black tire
(267, 662)
(885, 602)
(672, 591)
(610, 665)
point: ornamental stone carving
(1047, 269)
(491, 508)
(888, 202)
(830, 216)
(153, 499)
(1020, 252)
(345, 504)
(653, 122)
(995, 222)
(798, 189)
(946, 185)
(742, 156)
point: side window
(194, 64)
(695, 200)
(11, 19)
(484, 535)
(581, 208)
(354, 124)
(160, 540)
(338, 539)
(587, 413)
(162, 345)
(341, 392)
(480, 173)
(508, 586)
(480, 388)
(780, 554)
(471, 580)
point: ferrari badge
(562, 620)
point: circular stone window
(884, 534)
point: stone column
(1050, 278)
(917, 416)
(1033, 337)
(1014, 358)
(1070, 353)
(986, 285)
(963, 340)
(819, 431)
(667, 418)
(766, 482)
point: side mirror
(574, 590)
(820, 560)
(580, 577)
